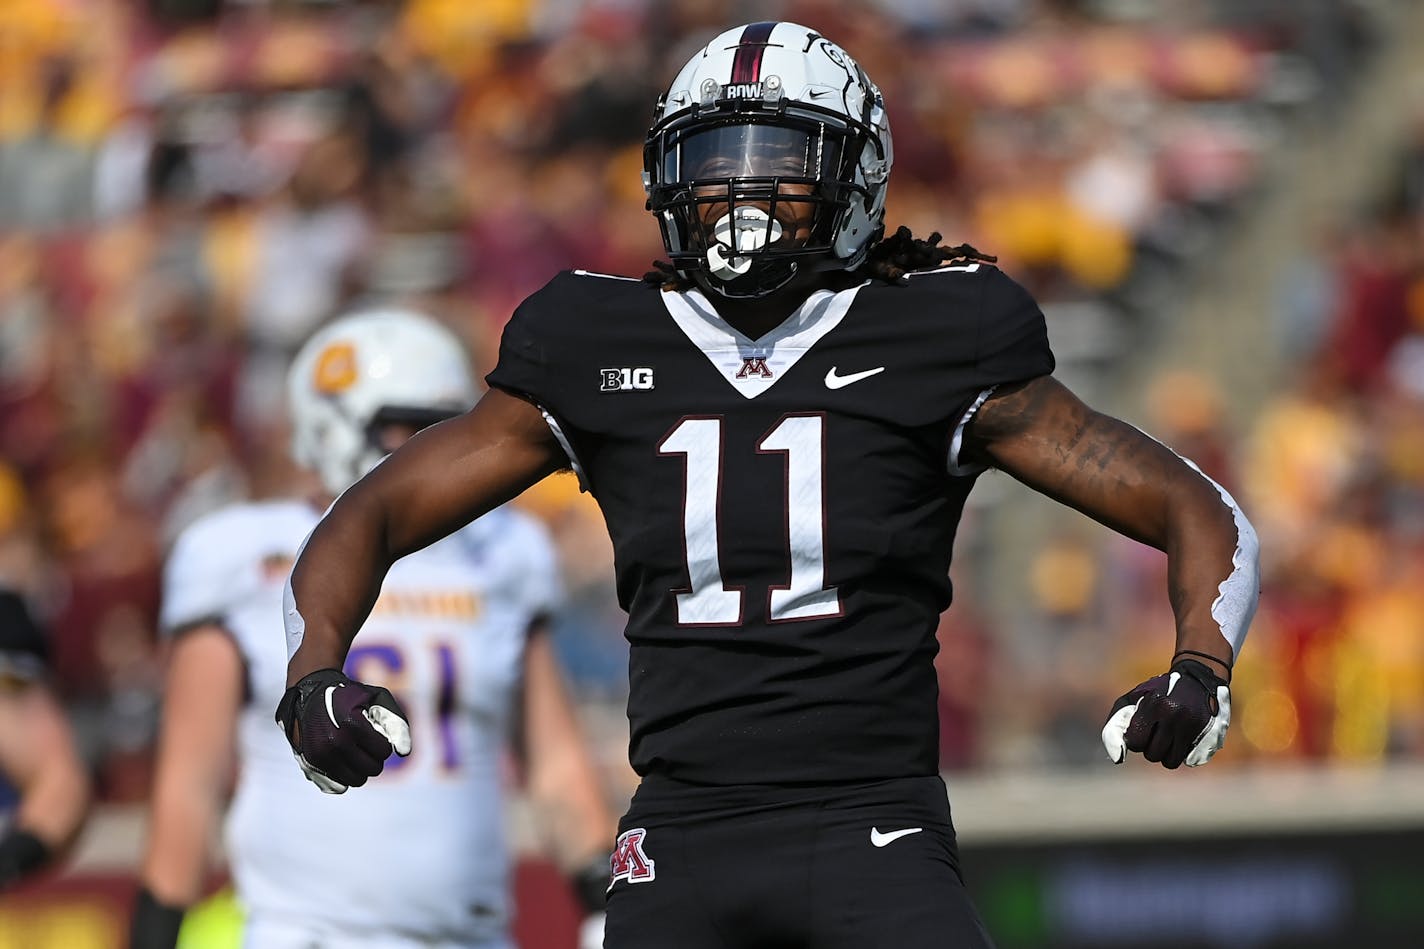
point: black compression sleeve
(154, 926)
(591, 884)
(20, 852)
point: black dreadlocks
(889, 260)
(664, 276)
(901, 253)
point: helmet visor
(751, 150)
(758, 188)
(742, 196)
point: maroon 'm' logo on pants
(629, 862)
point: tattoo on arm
(1044, 436)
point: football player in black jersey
(37, 754)
(781, 429)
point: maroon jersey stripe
(746, 65)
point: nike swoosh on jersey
(834, 381)
(879, 840)
(329, 713)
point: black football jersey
(782, 510)
(23, 650)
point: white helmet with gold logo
(369, 370)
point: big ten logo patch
(626, 379)
(629, 861)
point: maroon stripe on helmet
(746, 65)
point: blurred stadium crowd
(189, 187)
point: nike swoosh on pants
(878, 839)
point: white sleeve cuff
(956, 444)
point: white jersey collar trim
(754, 366)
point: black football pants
(865, 866)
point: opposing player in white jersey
(44, 787)
(453, 636)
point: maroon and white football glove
(1176, 718)
(341, 731)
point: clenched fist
(341, 731)
(1176, 718)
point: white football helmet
(365, 370)
(760, 108)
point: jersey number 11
(710, 602)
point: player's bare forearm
(562, 778)
(440, 480)
(37, 754)
(203, 694)
(1045, 437)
